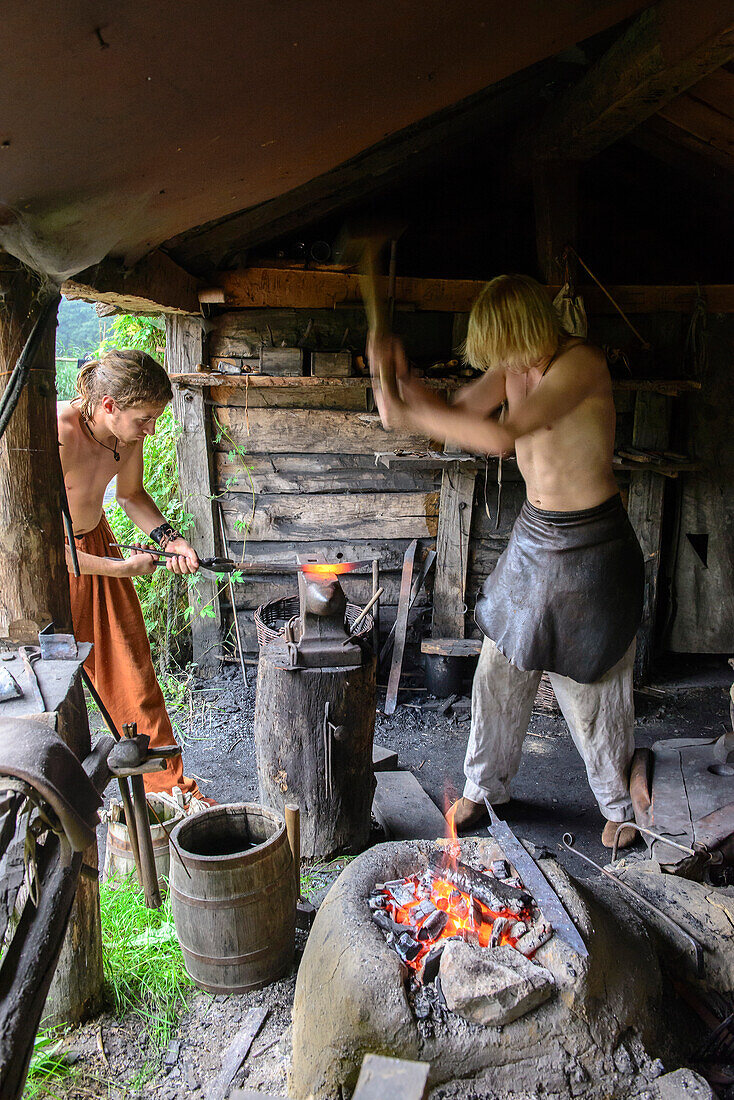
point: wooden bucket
(234, 897)
(118, 853)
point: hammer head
(366, 234)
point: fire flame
(320, 569)
(467, 917)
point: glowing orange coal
(467, 917)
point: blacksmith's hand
(186, 560)
(140, 564)
(385, 354)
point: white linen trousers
(600, 717)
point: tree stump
(313, 739)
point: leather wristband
(164, 534)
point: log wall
(293, 460)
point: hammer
(362, 242)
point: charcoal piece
(407, 948)
(494, 894)
(433, 926)
(500, 926)
(519, 928)
(500, 868)
(477, 917)
(424, 909)
(402, 894)
(539, 934)
(439, 991)
(378, 901)
(389, 885)
(384, 922)
(421, 1005)
(431, 964)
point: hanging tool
(692, 944)
(401, 627)
(535, 881)
(230, 583)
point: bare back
(88, 468)
(566, 456)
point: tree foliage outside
(162, 595)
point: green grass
(314, 878)
(143, 964)
(48, 1064)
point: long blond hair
(512, 322)
(132, 377)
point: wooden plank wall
(294, 466)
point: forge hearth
(556, 1024)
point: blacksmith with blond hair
(101, 436)
(566, 595)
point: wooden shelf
(670, 387)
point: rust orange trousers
(106, 611)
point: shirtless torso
(88, 463)
(560, 422)
(89, 468)
(566, 462)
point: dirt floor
(688, 699)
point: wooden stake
(293, 828)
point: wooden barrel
(234, 897)
(118, 853)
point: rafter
(666, 50)
(154, 285)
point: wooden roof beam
(154, 285)
(296, 288)
(664, 52)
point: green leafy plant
(162, 595)
(143, 964)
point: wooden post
(452, 549)
(555, 192)
(645, 508)
(34, 589)
(185, 350)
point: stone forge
(584, 1028)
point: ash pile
(466, 936)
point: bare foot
(466, 814)
(627, 836)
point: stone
(492, 987)
(684, 1084)
(707, 912)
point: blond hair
(130, 376)
(512, 322)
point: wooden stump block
(321, 760)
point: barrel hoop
(236, 960)
(237, 901)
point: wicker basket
(545, 700)
(271, 618)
